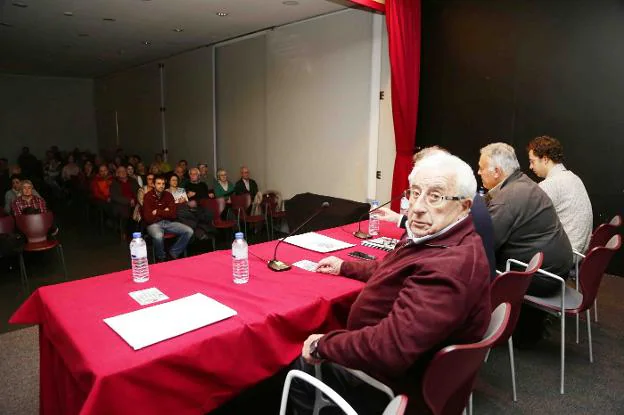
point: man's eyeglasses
(432, 198)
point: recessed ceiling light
(290, 3)
(222, 14)
(68, 14)
(19, 4)
(178, 30)
(108, 19)
(147, 42)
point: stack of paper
(317, 242)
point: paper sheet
(317, 242)
(154, 324)
(306, 264)
(148, 296)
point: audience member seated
(140, 173)
(565, 189)
(478, 211)
(100, 190)
(181, 174)
(222, 186)
(159, 214)
(29, 165)
(70, 169)
(431, 291)
(163, 166)
(85, 177)
(204, 174)
(184, 164)
(525, 222)
(149, 185)
(13, 193)
(28, 202)
(189, 212)
(123, 194)
(132, 175)
(178, 193)
(247, 185)
(196, 189)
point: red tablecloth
(86, 368)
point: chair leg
(470, 405)
(513, 368)
(23, 275)
(562, 390)
(596, 310)
(577, 317)
(62, 258)
(589, 336)
(487, 356)
(319, 400)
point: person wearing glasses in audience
(525, 222)
(432, 290)
(479, 211)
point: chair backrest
(36, 226)
(450, 377)
(7, 224)
(592, 269)
(604, 232)
(240, 203)
(215, 206)
(510, 287)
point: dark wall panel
(509, 70)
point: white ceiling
(41, 40)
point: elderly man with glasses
(430, 291)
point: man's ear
(466, 204)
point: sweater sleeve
(425, 313)
(359, 270)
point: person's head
(16, 183)
(15, 170)
(544, 153)
(27, 188)
(222, 175)
(149, 180)
(158, 158)
(154, 169)
(130, 170)
(244, 172)
(179, 171)
(497, 162)
(103, 170)
(25, 150)
(194, 174)
(88, 168)
(442, 187)
(203, 169)
(121, 173)
(140, 168)
(159, 184)
(70, 159)
(428, 151)
(184, 164)
(173, 181)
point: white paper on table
(151, 325)
(148, 296)
(306, 264)
(317, 242)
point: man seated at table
(432, 290)
(480, 215)
(525, 222)
(565, 189)
(159, 213)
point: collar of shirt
(556, 169)
(419, 240)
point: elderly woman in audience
(222, 186)
(178, 193)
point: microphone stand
(277, 265)
(365, 235)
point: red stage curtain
(403, 22)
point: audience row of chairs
(451, 394)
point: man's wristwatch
(314, 350)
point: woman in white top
(179, 194)
(131, 174)
(70, 169)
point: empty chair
(35, 227)
(240, 205)
(510, 287)
(7, 224)
(271, 212)
(572, 302)
(216, 206)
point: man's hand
(388, 215)
(154, 212)
(330, 265)
(190, 194)
(305, 350)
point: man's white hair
(460, 171)
(503, 156)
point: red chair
(216, 206)
(7, 224)
(510, 287)
(572, 302)
(35, 228)
(240, 205)
(271, 211)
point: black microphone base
(361, 235)
(278, 266)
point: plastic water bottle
(404, 206)
(240, 261)
(373, 220)
(138, 256)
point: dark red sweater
(417, 300)
(152, 201)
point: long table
(86, 368)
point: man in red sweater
(431, 291)
(159, 213)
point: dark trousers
(361, 396)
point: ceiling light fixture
(147, 42)
(109, 19)
(222, 14)
(68, 14)
(290, 3)
(19, 4)
(178, 30)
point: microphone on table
(365, 235)
(277, 265)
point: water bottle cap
(136, 235)
(239, 235)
